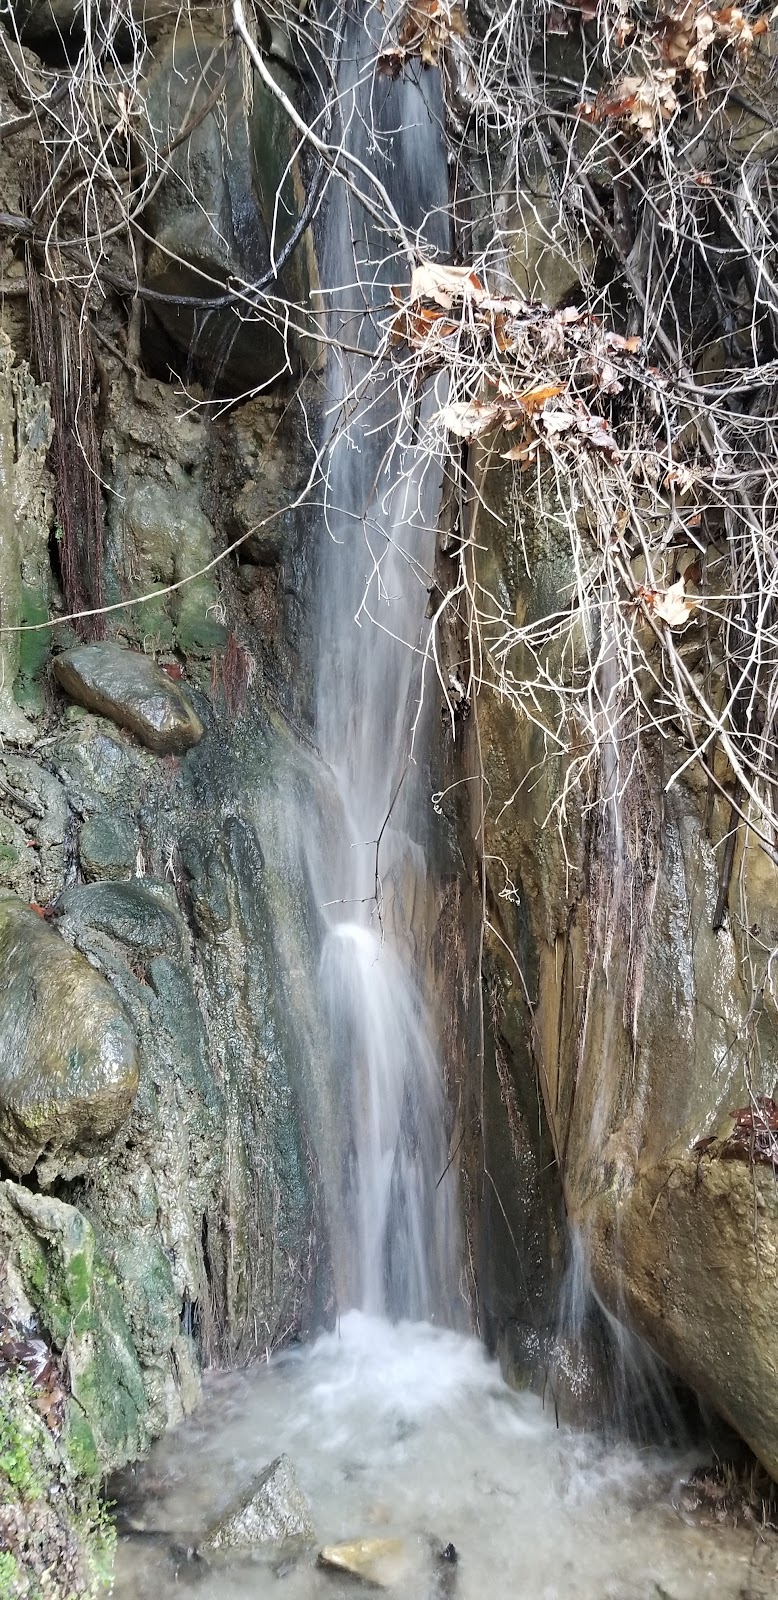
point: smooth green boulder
(68, 1060)
(128, 687)
(272, 1511)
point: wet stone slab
(128, 687)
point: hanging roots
(237, 670)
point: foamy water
(409, 1431)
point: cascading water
(374, 570)
(397, 1428)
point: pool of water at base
(409, 1432)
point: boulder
(68, 1062)
(137, 916)
(128, 687)
(690, 1253)
(107, 848)
(272, 1511)
(214, 216)
(379, 1562)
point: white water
(390, 1193)
(409, 1431)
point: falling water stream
(398, 1423)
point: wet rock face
(692, 1250)
(213, 218)
(639, 1017)
(68, 1062)
(55, 1272)
(127, 687)
(273, 1511)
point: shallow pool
(409, 1431)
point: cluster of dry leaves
(752, 1136)
(36, 1359)
(521, 351)
(677, 50)
(424, 29)
(532, 378)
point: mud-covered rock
(273, 1510)
(130, 689)
(68, 1061)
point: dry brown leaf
(525, 452)
(617, 341)
(425, 28)
(432, 280)
(558, 421)
(533, 399)
(673, 607)
(468, 418)
(643, 102)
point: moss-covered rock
(55, 1540)
(68, 1061)
(57, 1271)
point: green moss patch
(57, 1542)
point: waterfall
(374, 567)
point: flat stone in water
(273, 1510)
(128, 687)
(379, 1562)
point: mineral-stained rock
(68, 1064)
(692, 1248)
(378, 1562)
(130, 689)
(272, 1511)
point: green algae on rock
(128, 687)
(57, 1275)
(69, 1069)
(55, 1539)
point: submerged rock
(68, 1063)
(378, 1562)
(272, 1511)
(128, 687)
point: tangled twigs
(632, 412)
(659, 192)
